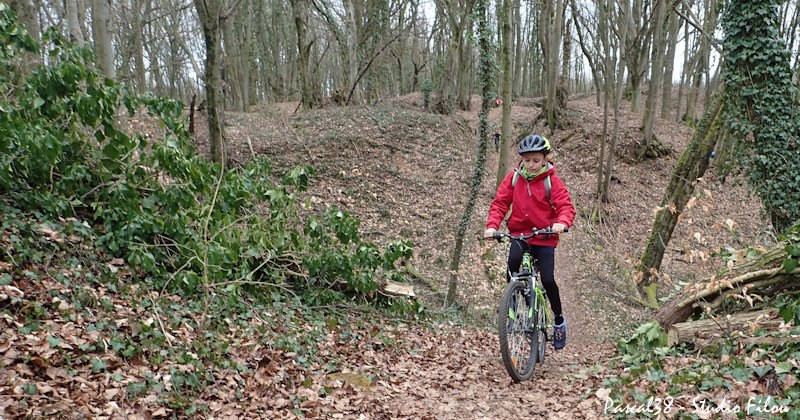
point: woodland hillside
(404, 172)
(401, 170)
(207, 207)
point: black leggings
(545, 260)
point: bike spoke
(517, 333)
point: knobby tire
(540, 326)
(518, 339)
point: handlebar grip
(566, 229)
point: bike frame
(530, 275)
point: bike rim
(518, 338)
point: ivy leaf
(760, 371)
(54, 341)
(789, 264)
(794, 250)
(783, 367)
(98, 365)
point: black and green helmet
(534, 143)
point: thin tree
(656, 74)
(607, 71)
(309, 97)
(691, 166)
(586, 20)
(625, 10)
(212, 15)
(669, 61)
(551, 33)
(103, 50)
(486, 75)
(505, 131)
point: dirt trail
(472, 382)
(464, 377)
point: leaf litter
(404, 173)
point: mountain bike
(523, 321)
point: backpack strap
(547, 186)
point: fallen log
(721, 328)
(748, 273)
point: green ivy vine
(761, 106)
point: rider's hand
(489, 233)
(558, 228)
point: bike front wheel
(541, 327)
(518, 340)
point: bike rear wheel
(518, 340)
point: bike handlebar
(535, 232)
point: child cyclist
(534, 207)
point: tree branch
(230, 11)
(364, 70)
(693, 21)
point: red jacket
(531, 208)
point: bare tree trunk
(233, 56)
(551, 32)
(351, 53)
(486, 76)
(28, 14)
(710, 23)
(701, 67)
(694, 91)
(639, 34)
(244, 59)
(308, 93)
(210, 14)
(519, 57)
(656, 73)
(140, 75)
(174, 70)
(562, 89)
(690, 166)
(685, 78)
(618, 90)
(103, 50)
(507, 93)
(694, 330)
(463, 81)
(608, 83)
(672, 41)
(73, 21)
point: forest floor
(405, 173)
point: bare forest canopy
(360, 51)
